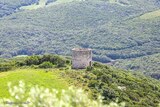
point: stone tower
(81, 58)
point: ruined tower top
(81, 49)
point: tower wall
(81, 58)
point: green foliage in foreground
(44, 97)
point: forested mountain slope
(8, 7)
(147, 64)
(113, 29)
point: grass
(151, 15)
(112, 1)
(42, 3)
(32, 77)
(116, 2)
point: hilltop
(52, 71)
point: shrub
(33, 60)
(43, 97)
(20, 64)
(60, 62)
(46, 65)
(54, 59)
(97, 64)
(93, 83)
(5, 67)
(89, 68)
(68, 62)
(50, 58)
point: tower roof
(81, 49)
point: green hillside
(32, 77)
(132, 88)
(151, 15)
(147, 64)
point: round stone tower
(81, 58)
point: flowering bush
(44, 97)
